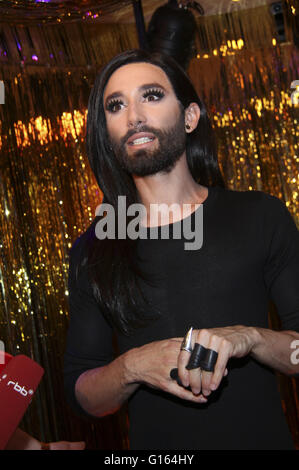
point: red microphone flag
(19, 380)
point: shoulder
(83, 239)
(268, 213)
(253, 207)
(258, 200)
(78, 253)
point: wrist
(130, 367)
(255, 339)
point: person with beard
(132, 301)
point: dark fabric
(250, 255)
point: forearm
(20, 440)
(274, 349)
(103, 390)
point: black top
(250, 254)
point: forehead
(132, 76)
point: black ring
(201, 357)
(208, 362)
(198, 354)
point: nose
(136, 116)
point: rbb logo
(2, 92)
(19, 389)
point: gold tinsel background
(48, 194)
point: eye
(153, 95)
(114, 105)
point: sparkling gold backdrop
(48, 194)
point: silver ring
(189, 350)
(187, 341)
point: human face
(145, 121)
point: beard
(145, 162)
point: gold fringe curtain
(48, 198)
(48, 194)
(245, 78)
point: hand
(231, 341)
(151, 365)
(21, 440)
(64, 445)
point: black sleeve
(89, 338)
(281, 269)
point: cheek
(114, 127)
(166, 118)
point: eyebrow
(144, 87)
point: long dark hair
(112, 263)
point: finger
(184, 356)
(195, 380)
(214, 345)
(178, 340)
(183, 374)
(205, 383)
(77, 445)
(184, 394)
(220, 367)
(196, 375)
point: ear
(192, 115)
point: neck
(176, 187)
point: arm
(276, 349)
(20, 440)
(281, 274)
(103, 390)
(95, 382)
(272, 348)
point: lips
(140, 138)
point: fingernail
(213, 387)
(206, 393)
